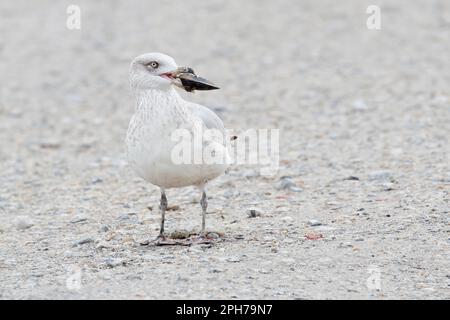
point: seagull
(159, 112)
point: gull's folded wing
(209, 118)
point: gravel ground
(364, 118)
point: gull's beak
(186, 78)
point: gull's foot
(162, 240)
(201, 239)
(186, 238)
(206, 238)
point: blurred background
(349, 101)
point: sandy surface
(365, 124)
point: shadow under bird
(159, 112)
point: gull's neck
(153, 100)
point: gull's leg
(202, 239)
(163, 205)
(204, 204)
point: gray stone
(380, 175)
(253, 213)
(314, 223)
(127, 216)
(231, 193)
(213, 235)
(102, 245)
(83, 241)
(287, 183)
(250, 174)
(104, 228)
(23, 222)
(354, 178)
(113, 262)
(233, 259)
(96, 180)
(78, 220)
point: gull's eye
(153, 64)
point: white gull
(160, 111)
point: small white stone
(233, 259)
(23, 222)
(287, 219)
(360, 105)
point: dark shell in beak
(190, 81)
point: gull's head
(152, 71)
(159, 71)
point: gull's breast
(150, 146)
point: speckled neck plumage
(154, 102)
(154, 98)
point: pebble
(314, 223)
(82, 241)
(168, 259)
(127, 216)
(288, 260)
(263, 271)
(231, 193)
(114, 262)
(182, 279)
(361, 212)
(233, 259)
(215, 270)
(282, 209)
(96, 180)
(104, 228)
(360, 105)
(102, 245)
(250, 174)
(213, 235)
(23, 223)
(78, 219)
(380, 175)
(50, 144)
(345, 245)
(287, 183)
(253, 213)
(352, 178)
(174, 207)
(287, 219)
(388, 186)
